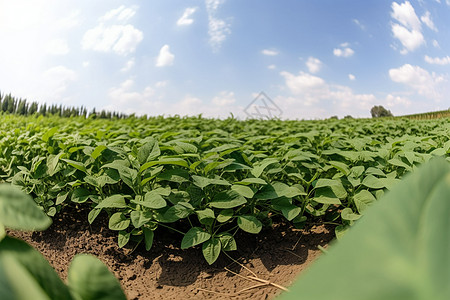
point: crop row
(207, 178)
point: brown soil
(166, 272)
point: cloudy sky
(314, 59)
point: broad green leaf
(326, 195)
(243, 190)
(77, 165)
(152, 200)
(47, 135)
(348, 214)
(148, 238)
(118, 221)
(114, 201)
(19, 211)
(52, 163)
(362, 200)
(252, 180)
(98, 151)
(80, 195)
(278, 189)
(149, 151)
(249, 224)
(402, 243)
(123, 238)
(334, 184)
(93, 215)
(286, 207)
(139, 218)
(225, 215)
(259, 168)
(25, 274)
(205, 216)
(227, 199)
(61, 197)
(203, 182)
(340, 166)
(89, 279)
(211, 250)
(228, 242)
(174, 175)
(373, 182)
(193, 237)
(167, 161)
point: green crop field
(209, 178)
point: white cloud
(218, 29)
(271, 67)
(161, 84)
(165, 58)
(393, 101)
(351, 77)
(360, 25)
(426, 19)
(121, 13)
(121, 39)
(311, 96)
(85, 64)
(411, 40)
(424, 83)
(269, 52)
(406, 15)
(343, 51)
(57, 47)
(435, 44)
(225, 98)
(409, 31)
(438, 60)
(118, 38)
(186, 17)
(313, 64)
(55, 81)
(128, 66)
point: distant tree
(348, 117)
(379, 112)
(334, 118)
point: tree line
(19, 106)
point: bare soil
(277, 255)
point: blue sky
(314, 59)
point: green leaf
(168, 161)
(52, 163)
(48, 134)
(98, 151)
(243, 190)
(340, 166)
(61, 197)
(362, 200)
(25, 274)
(148, 238)
(211, 250)
(228, 242)
(80, 195)
(114, 201)
(326, 196)
(118, 221)
(205, 216)
(89, 279)
(174, 175)
(224, 215)
(203, 182)
(252, 180)
(152, 200)
(249, 224)
(123, 238)
(334, 184)
(289, 210)
(93, 215)
(19, 211)
(403, 246)
(227, 199)
(77, 165)
(373, 182)
(193, 237)
(148, 151)
(348, 214)
(259, 168)
(139, 218)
